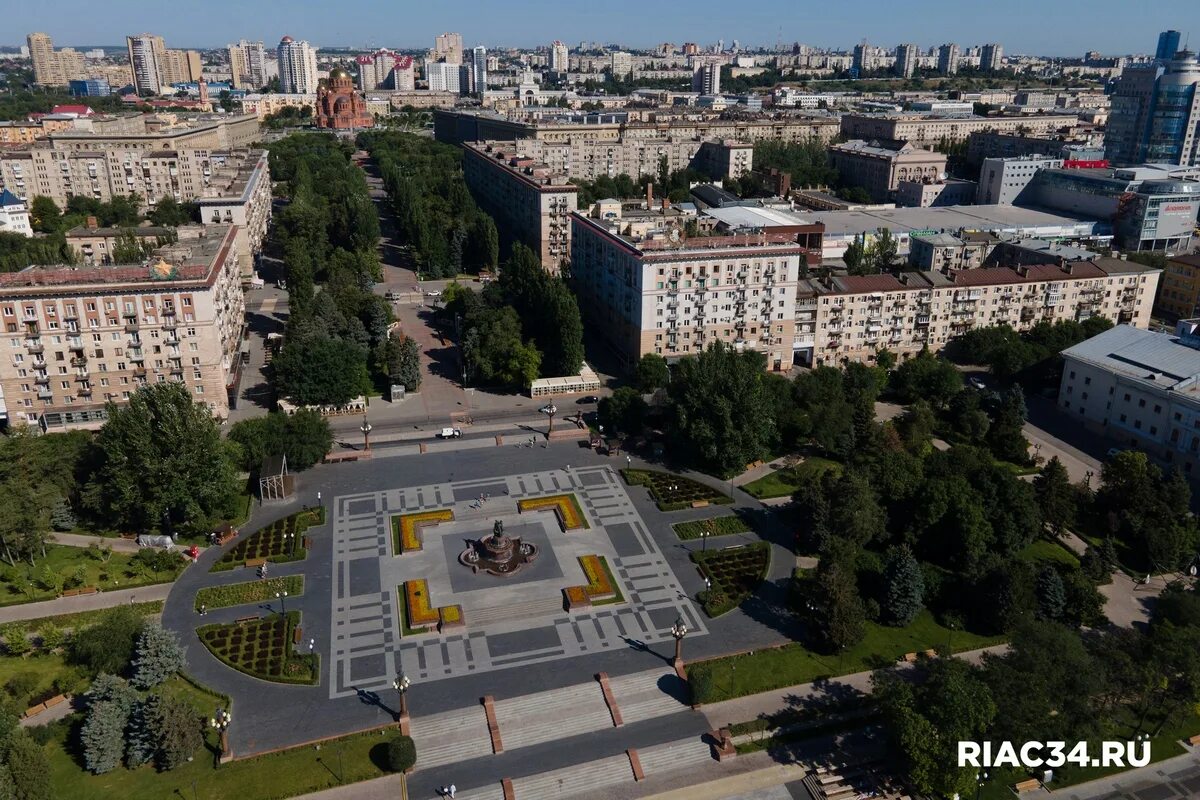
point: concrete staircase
(674, 756)
(486, 615)
(556, 714)
(574, 780)
(453, 736)
(640, 697)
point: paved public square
(511, 621)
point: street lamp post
(1087, 479)
(282, 598)
(550, 430)
(366, 432)
(679, 630)
(980, 780)
(704, 540)
(401, 684)
(220, 721)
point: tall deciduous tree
(318, 370)
(1056, 496)
(29, 768)
(623, 411)
(107, 646)
(162, 461)
(652, 372)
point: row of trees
(437, 217)
(1031, 355)
(337, 340)
(523, 325)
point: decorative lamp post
(366, 432)
(401, 685)
(679, 630)
(980, 780)
(220, 721)
(282, 598)
(551, 415)
(1087, 478)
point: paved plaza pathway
(89, 602)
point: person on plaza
(453, 789)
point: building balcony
(136, 356)
(45, 394)
(131, 327)
(35, 348)
(41, 379)
(75, 344)
(82, 375)
(32, 330)
(79, 361)
(139, 372)
(84, 391)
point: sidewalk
(89, 602)
(118, 544)
(389, 787)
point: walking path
(118, 544)
(87, 602)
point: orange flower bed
(599, 586)
(421, 614)
(407, 527)
(570, 516)
(577, 597)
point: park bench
(80, 591)
(226, 535)
(242, 620)
(33, 711)
(297, 634)
(1026, 786)
(1194, 741)
(699, 504)
(255, 562)
(909, 658)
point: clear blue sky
(1049, 27)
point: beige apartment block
(879, 170)
(926, 130)
(240, 194)
(852, 318)
(54, 67)
(79, 337)
(647, 288)
(263, 105)
(94, 246)
(530, 202)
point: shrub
(108, 645)
(401, 753)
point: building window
(1142, 403)
(1158, 409)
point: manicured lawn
(783, 482)
(279, 542)
(262, 648)
(236, 594)
(81, 619)
(35, 678)
(672, 492)
(714, 526)
(1046, 550)
(735, 573)
(298, 771)
(740, 675)
(79, 567)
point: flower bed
(421, 614)
(565, 506)
(601, 588)
(406, 528)
(451, 617)
(672, 492)
(279, 542)
(735, 573)
(236, 594)
(262, 649)
(716, 526)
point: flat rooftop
(1158, 360)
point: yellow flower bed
(421, 613)
(409, 526)
(566, 505)
(598, 583)
(451, 614)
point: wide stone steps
(552, 715)
(488, 615)
(452, 736)
(641, 696)
(493, 791)
(574, 780)
(673, 756)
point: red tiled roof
(83, 111)
(1040, 272)
(857, 284)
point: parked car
(449, 433)
(549, 408)
(392, 296)
(977, 382)
(591, 398)
(433, 293)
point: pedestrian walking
(203, 609)
(453, 789)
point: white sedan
(549, 409)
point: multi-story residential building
(264, 105)
(153, 67)
(940, 252)
(906, 60)
(991, 58)
(935, 192)
(297, 66)
(1179, 291)
(248, 65)
(852, 318)
(727, 159)
(89, 87)
(448, 47)
(444, 76)
(647, 288)
(94, 246)
(620, 65)
(240, 197)
(707, 78)
(14, 215)
(1005, 181)
(948, 58)
(479, 73)
(989, 144)
(54, 67)
(1140, 389)
(83, 336)
(559, 56)
(1155, 114)
(404, 74)
(928, 130)
(530, 203)
(375, 70)
(879, 170)
(149, 155)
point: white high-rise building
(145, 51)
(906, 60)
(948, 56)
(559, 56)
(248, 65)
(479, 69)
(443, 76)
(707, 76)
(297, 66)
(991, 58)
(621, 65)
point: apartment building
(54, 67)
(880, 170)
(153, 67)
(1005, 181)
(647, 288)
(82, 336)
(1140, 389)
(93, 245)
(240, 195)
(1179, 293)
(264, 105)
(852, 318)
(530, 203)
(14, 215)
(151, 155)
(248, 65)
(923, 130)
(297, 66)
